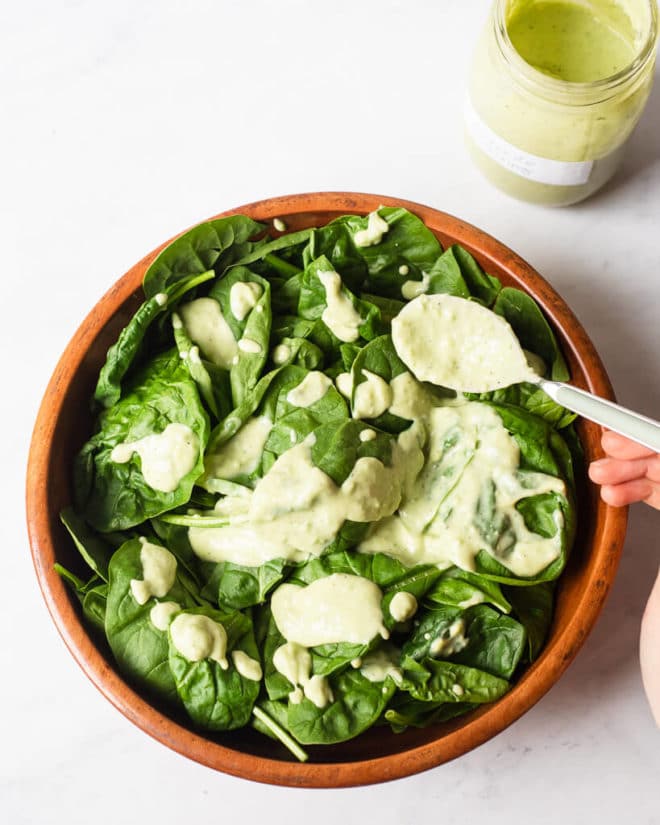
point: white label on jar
(532, 167)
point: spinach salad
(285, 528)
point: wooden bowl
(63, 424)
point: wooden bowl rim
(477, 729)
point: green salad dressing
(572, 41)
(556, 88)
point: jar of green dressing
(556, 88)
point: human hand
(629, 473)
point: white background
(124, 122)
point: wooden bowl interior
(64, 423)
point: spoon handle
(638, 427)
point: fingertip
(618, 446)
(596, 470)
(612, 495)
(620, 495)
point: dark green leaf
(140, 648)
(357, 704)
(114, 496)
(214, 697)
(94, 549)
(533, 606)
(532, 330)
(440, 681)
(211, 245)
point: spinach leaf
(461, 588)
(252, 331)
(417, 581)
(214, 697)
(300, 352)
(286, 294)
(495, 528)
(348, 354)
(269, 638)
(405, 712)
(289, 246)
(334, 242)
(78, 586)
(495, 643)
(445, 276)
(94, 550)
(233, 422)
(389, 307)
(240, 586)
(456, 272)
(91, 594)
(114, 496)
(434, 624)
(199, 371)
(277, 406)
(383, 570)
(338, 447)
(330, 658)
(210, 245)
(124, 352)
(532, 330)
(432, 680)
(408, 242)
(94, 605)
(539, 513)
(533, 399)
(140, 648)
(379, 358)
(482, 286)
(357, 704)
(533, 606)
(293, 326)
(542, 449)
(121, 354)
(313, 302)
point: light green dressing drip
(158, 572)
(241, 454)
(198, 637)
(294, 662)
(337, 608)
(165, 458)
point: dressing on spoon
(459, 344)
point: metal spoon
(639, 428)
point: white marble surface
(124, 122)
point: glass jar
(547, 140)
